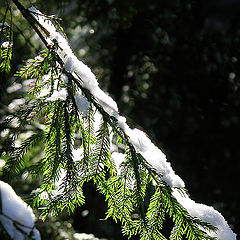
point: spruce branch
(125, 193)
(15, 162)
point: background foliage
(173, 67)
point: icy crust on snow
(143, 145)
(14, 209)
(207, 214)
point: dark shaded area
(90, 218)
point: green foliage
(184, 223)
(63, 174)
(6, 42)
(156, 215)
(6, 55)
(15, 162)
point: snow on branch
(141, 143)
(15, 215)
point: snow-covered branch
(56, 88)
(142, 144)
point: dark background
(173, 68)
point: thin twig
(32, 21)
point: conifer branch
(101, 147)
(63, 176)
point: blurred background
(173, 67)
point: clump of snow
(15, 212)
(44, 92)
(153, 155)
(62, 94)
(6, 44)
(118, 159)
(97, 120)
(36, 234)
(64, 78)
(57, 93)
(108, 104)
(207, 214)
(84, 236)
(46, 77)
(82, 103)
(77, 154)
(122, 122)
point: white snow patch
(64, 78)
(118, 159)
(46, 77)
(6, 44)
(97, 120)
(62, 94)
(82, 103)
(57, 93)
(15, 209)
(84, 236)
(122, 122)
(77, 154)
(206, 214)
(36, 234)
(154, 156)
(44, 92)
(108, 104)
